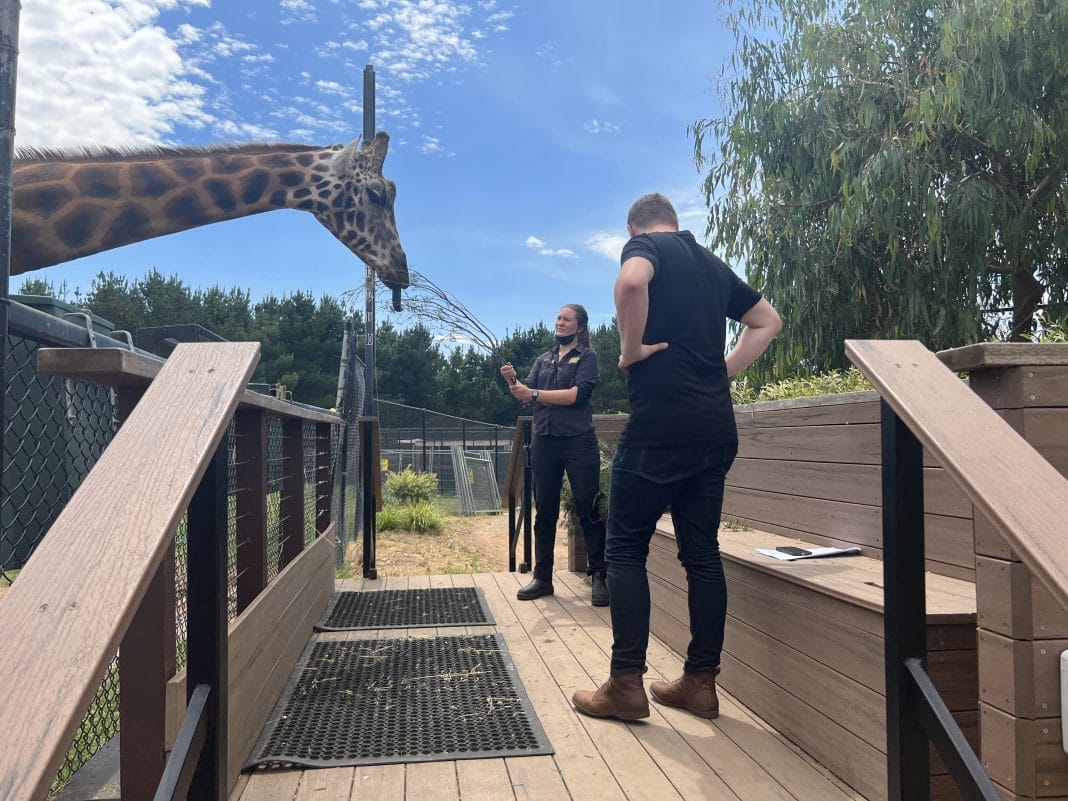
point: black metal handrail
(371, 478)
(915, 711)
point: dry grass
(467, 545)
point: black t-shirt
(681, 396)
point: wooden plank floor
(558, 645)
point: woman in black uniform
(560, 384)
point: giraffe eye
(376, 198)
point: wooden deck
(558, 645)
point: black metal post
(426, 465)
(905, 608)
(369, 569)
(207, 607)
(369, 277)
(9, 57)
(528, 498)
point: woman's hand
(508, 372)
(521, 392)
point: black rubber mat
(396, 609)
(382, 701)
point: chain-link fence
(55, 429)
(423, 440)
(348, 496)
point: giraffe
(68, 205)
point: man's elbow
(776, 324)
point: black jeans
(646, 481)
(578, 455)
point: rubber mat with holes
(382, 701)
(388, 609)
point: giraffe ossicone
(72, 204)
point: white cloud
(606, 244)
(543, 249)
(432, 146)
(596, 126)
(246, 131)
(93, 72)
(332, 88)
(297, 11)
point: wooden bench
(804, 648)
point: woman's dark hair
(583, 319)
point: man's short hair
(650, 210)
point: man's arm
(762, 323)
(632, 311)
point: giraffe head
(356, 205)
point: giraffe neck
(66, 208)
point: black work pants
(579, 457)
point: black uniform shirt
(578, 369)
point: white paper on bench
(813, 553)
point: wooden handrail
(513, 477)
(1023, 496)
(119, 367)
(62, 620)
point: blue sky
(520, 132)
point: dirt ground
(476, 544)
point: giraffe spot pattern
(361, 220)
(278, 198)
(148, 180)
(130, 224)
(231, 165)
(291, 178)
(188, 169)
(306, 205)
(221, 194)
(98, 182)
(75, 228)
(254, 185)
(306, 159)
(302, 193)
(277, 160)
(186, 207)
(44, 200)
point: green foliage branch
(892, 169)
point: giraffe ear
(373, 154)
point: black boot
(599, 596)
(535, 589)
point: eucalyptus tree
(893, 168)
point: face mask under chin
(564, 340)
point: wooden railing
(103, 579)
(518, 495)
(924, 405)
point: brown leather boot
(620, 697)
(693, 691)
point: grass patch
(421, 517)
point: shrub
(832, 383)
(408, 486)
(421, 517)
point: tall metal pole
(9, 57)
(369, 280)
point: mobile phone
(793, 551)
